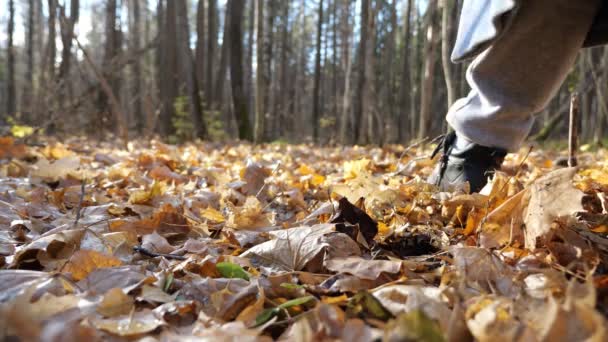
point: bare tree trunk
(167, 67)
(345, 28)
(360, 104)
(282, 119)
(374, 133)
(135, 42)
(249, 60)
(28, 87)
(300, 77)
(406, 73)
(110, 53)
(446, 43)
(188, 70)
(11, 107)
(67, 32)
(239, 98)
(218, 97)
(316, 88)
(260, 77)
(269, 49)
(201, 45)
(211, 47)
(391, 124)
(426, 86)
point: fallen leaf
(85, 261)
(551, 197)
(293, 249)
(115, 303)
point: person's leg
(511, 81)
(517, 76)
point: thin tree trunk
(260, 77)
(446, 30)
(317, 78)
(211, 47)
(239, 98)
(168, 66)
(67, 32)
(426, 86)
(188, 70)
(405, 72)
(28, 87)
(282, 118)
(391, 125)
(11, 106)
(374, 131)
(201, 45)
(269, 48)
(360, 104)
(135, 41)
(249, 60)
(218, 97)
(345, 123)
(300, 77)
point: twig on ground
(149, 253)
(80, 201)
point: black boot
(464, 162)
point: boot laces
(445, 145)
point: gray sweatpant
(521, 71)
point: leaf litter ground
(294, 242)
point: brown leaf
(84, 262)
(115, 303)
(295, 249)
(347, 212)
(362, 268)
(551, 197)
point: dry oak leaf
(85, 261)
(551, 197)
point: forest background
(324, 71)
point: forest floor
(296, 242)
